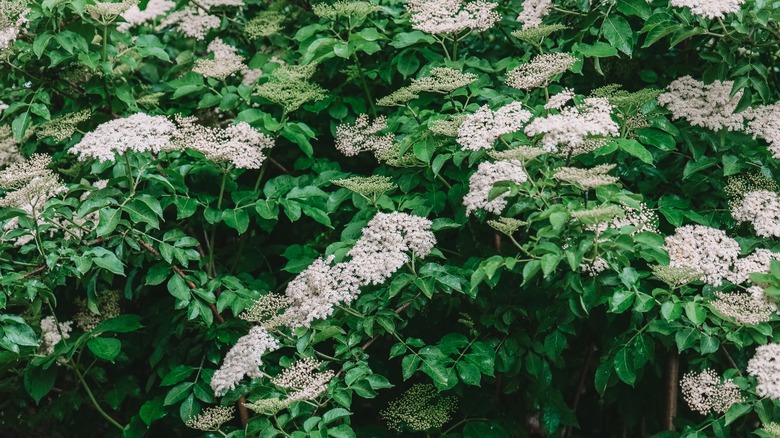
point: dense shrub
(396, 218)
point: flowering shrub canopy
(460, 218)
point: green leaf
(469, 373)
(121, 324)
(334, 414)
(624, 366)
(177, 374)
(597, 50)
(20, 124)
(633, 147)
(639, 8)
(152, 410)
(105, 348)
(139, 212)
(39, 381)
(178, 393)
(237, 218)
(108, 221)
(618, 32)
(736, 411)
(178, 288)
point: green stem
(212, 240)
(105, 44)
(260, 177)
(365, 85)
(94, 401)
(130, 177)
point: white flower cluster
(485, 126)
(598, 265)
(249, 76)
(210, 419)
(244, 359)
(709, 106)
(482, 181)
(533, 12)
(642, 219)
(13, 17)
(747, 309)
(452, 16)
(52, 333)
(364, 136)
(191, 21)
(709, 8)
(558, 101)
(573, 126)
(383, 248)
(239, 144)
(706, 392)
(138, 132)
(9, 147)
(225, 62)
(765, 367)
(134, 16)
(762, 209)
(539, 71)
(705, 250)
(757, 262)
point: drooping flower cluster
(420, 408)
(485, 126)
(538, 72)
(709, 8)
(13, 17)
(452, 16)
(709, 106)
(134, 16)
(707, 392)
(765, 367)
(705, 250)
(385, 246)
(107, 304)
(747, 309)
(533, 12)
(289, 87)
(574, 126)
(210, 419)
(586, 179)
(244, 359)
(364, 136)
(382, 249)
(304, 379)
(482, 181)
(138, 132)
(52, 333)
(226, 61)
(239, 144)
(62, 128)
(191, 21)
(762, 209)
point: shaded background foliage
(527, 343)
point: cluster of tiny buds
(586, 179)
(746, 309)
(707, 392)
(211, 419)
(420, 408)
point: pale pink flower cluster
(364, 136)
(558, 101)
(762, 209)
(709, 8)
(52, 333)
(595, 267)
(482, 181)
(249, 76)
(210, 419)
(707, 392)
(452, 16)
(709, 106)
(240, 144)
(573, 126)
(485, 126)
(192, 22)
(226, 61)
(533, 12)
(134, 16)
(765, 367)
(756, 262)
(244, 359)
(763, 122)
(138, 133)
